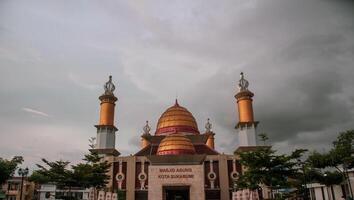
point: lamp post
(22, 173)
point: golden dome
(176, 119)
(176, 144)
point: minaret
(105, 128)
(246, 127)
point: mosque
(177, 161)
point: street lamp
(22, 173)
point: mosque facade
(177, 161)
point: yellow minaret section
(244, 102)
(107, 104)
(211, 141)
(107, 110)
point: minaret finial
(109, 87)
(243, 83)
(208, 126)
(147, 128)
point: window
(47, 195)
(312, 193)
(13, 186)
(78, 195)
(345, 190)
(323, 194)
(12, 197)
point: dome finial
(109, 87)
(243, 83)
(147, 128)
(176, 102)
(208, 126)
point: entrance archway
(176, 192)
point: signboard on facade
(175, 173)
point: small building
(12, 189)
(52, 192)
(333, 192)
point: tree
(263, 137)
(38, 177)
(339, 158)
(92, 173)
(8, 168)
(53, 172)
(265, 167)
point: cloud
(77, 81)
(299, 64)
(36, 112)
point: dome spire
(176, 102)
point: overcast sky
(55, 56)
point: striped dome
(176, 119)
(176, 144)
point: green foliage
(339, 155)
(92, 173)
(327, 178)
(8, 168)
(264, 166)
(331, 178)
(53, 172)
(339, 158)
(263, 137)
(38, 177)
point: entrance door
(176, 193)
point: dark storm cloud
(319, 101)
(55, 56)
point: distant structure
(176, 160)
(53, 192)
(12, 189)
